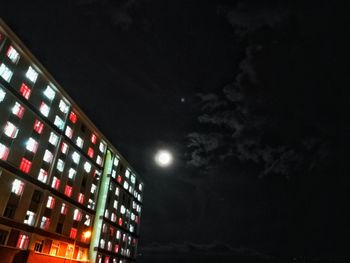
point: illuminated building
(66, 192)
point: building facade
(66, 194)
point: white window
(131, 228)
(77, 215)
(53, 139)
(2, 94)
(99, 160)
(59, 122)
(126, 185)
(116, 161)
(76, 157)
(42, 177)
(140, 187)
(69, 132)
(79, 142)
(87, 220)
(102, 147)
(11, 130)
(133, 180)
(71, 173)
(47, 156)
(17, 187)
(117, 191)
(60, 165)
(106, 213)
(114, 173)
(44, 109)
(12, 54)
(5, 72)
(31, 74)
(64, 148)
(109, 246)
(115, 204)
(118, 234)
(127, 173)
(122, 209)
(49, 92)
(32, 145)
(102, 243)
(93, 188)
(87, 167)
(64, 107)
(132, 216)
(50, 202)
(29, 219)
(18, 110)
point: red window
(77, 215)
(120, 221)
(116, 248)
(68, 191)
(23, 241)
(55, 183)
(93, 138)
(38, 126)
(50, 202)
(18, 110)
(81, 198)
(25, 91)
(90, 152)
(106, 259)
(64, 209)
(73, 117)
(119, 179)
(25, 165)
(73, 233)
(136, 219)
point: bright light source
(87, 234)
(163, 158)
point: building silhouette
(66, 194)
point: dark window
(10, 211)
(37, 196)
(3, 235)
(38, 247)
(59, 228)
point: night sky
(250, 96)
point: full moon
(163, 158)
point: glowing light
(163, 158)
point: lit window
(133, 179)
(47, 156)
(81, 198)
(38, 126)
(29, 219)
(11, 130)
(49, 93)
(109, 246)
(115, 204)
(131, 228)
(140, 187)
(79, 142)
(55, 183)
(50, 202)
(120, 221)
(25, 91)
(31, 74)
(126, 185)
(53, 139)
(23, 241)
(68, 190)
(25, 165)
(119, 179)
(71, 173)
(99, 160)
(60, 165)
(42, 177)
(69, 132)
(90, 152)
(116, 248)
(87, 220)
(12, 54)
(73, 117)
(127, 173)
(106, 213)
(4, 152)
(64, 209)
(93, 188)
(117, 191)
(118, 235)
(91, 204)
(122, 209)
(17, 187)
(73, 233)
(64, 148)
(63, 106)
(87, 167)
(18, 110)
(93, 138)
(77, 215)
(116, 161)
(114, 173)
(132, 216)
(5, 72)
(32, 145)
(102, 147)
(45, 223)
(2, 94)
(113, 217)
(44, 109)
(59, 122)
(102, 243)
(76, 157)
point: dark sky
(262, 79)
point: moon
(163, 158)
